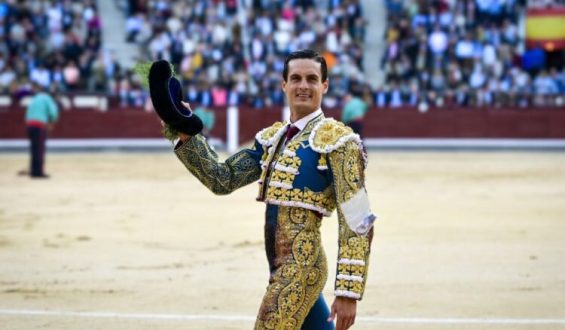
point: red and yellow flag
(545, 28)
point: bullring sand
(464, 240)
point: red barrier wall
(391, 123)
(467, 123)
(80, 124)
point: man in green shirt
(41, 114)
(208, 119)
(354, 112)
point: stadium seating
(438, 53)
(463, 53)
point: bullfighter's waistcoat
(296, 173)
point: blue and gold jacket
(321, 169)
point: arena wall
(390, 123)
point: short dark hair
(306, 54)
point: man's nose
(303, 84)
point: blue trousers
(317, 317)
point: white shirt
(464, 49)
(302, 122)
(489, 55)
(438, 41)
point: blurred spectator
(41, 115)
(208, 119)
(441, 52)
(464, 53)
(354, 111)
(71, 76)
(51, 43)
(7, 78)
(222, 61)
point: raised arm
(237, 171)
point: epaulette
(269, 135)
(330, 134)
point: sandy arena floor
(131, 241)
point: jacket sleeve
(355, 220)
(237, 171)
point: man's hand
(345, 310)
(183, 137)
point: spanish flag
(545, 28)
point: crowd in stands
(229, 55)
(55, 44)
(463, 53)
(438, 52)
(544, 4)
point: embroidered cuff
(348, 294)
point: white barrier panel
(84, 101)
(25, 101)
(65, 102)
(232, 129)
(5, 101)
(286, 113)
(103, 104)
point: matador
(305, 168)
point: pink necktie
(291, 132)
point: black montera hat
(166, 95)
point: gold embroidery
(296, 284)
(270, 138)
(323, 201)
(297, 215)
(313, 276)
(285, 164)
(221, 178)
(343, 268)
(346, 164)
(305, 248)
(328, 134)
(356, 270)
(279, 176)
(268, 133)
(322, 164)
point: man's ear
(283, 85)
(326, 85)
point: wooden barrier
(390, 123)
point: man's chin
(303, 103)
(304, 109)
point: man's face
(304, 87)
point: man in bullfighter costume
(305, 168)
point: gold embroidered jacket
(320, 169)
